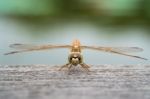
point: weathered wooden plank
(103, 82)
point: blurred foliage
(28, 7)
(98, 11)
(114, 7)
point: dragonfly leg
(85, 66)
(69, 67)
(64, 66)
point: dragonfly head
(75, 58)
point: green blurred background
(93, 22)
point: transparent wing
(29, 47)
(127, 49)
(117, 50)
(22, 46)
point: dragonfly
(75, 56)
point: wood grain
(103, 82)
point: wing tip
(141, 49)
(12, 45)
(145, 59)
(141, 58)
(10, 53)
(6, 53)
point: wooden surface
(103, 82)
